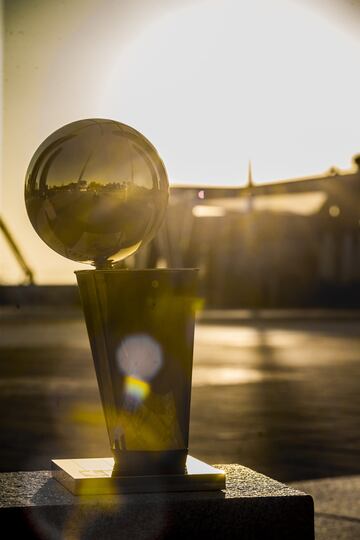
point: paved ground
(279, 396)
(337, 507)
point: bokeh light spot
(334, 211)
(139, 356)
(136, 388)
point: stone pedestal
(34, 505)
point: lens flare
(136, 388)
(140, 357)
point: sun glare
(216, 83)
(211, 84)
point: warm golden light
(334, 211)
(137, 389)
(272, 81)
(304, 204)
(208, 211)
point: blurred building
(289, 244)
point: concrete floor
(337, 506)
(279, 396)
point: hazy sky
(211, 83)
(222, 82)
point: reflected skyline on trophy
(96, 191)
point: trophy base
(94, 476)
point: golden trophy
(96, 191)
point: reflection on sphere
(96, 190)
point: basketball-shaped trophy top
(96, 190)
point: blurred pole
(16, 251)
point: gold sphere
(96, 190)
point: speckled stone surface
(252, 506)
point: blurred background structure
(291, 244)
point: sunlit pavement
(280, 396)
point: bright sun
(218, 83)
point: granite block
(252, 506)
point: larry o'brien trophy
(96, 191)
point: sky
(212, 84)
(270, 81)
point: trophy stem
(141, 330)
